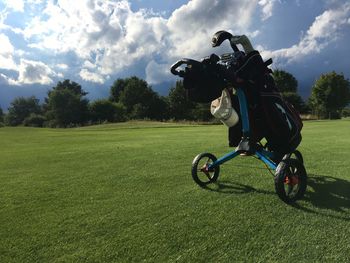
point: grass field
(124, 193)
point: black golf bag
(203, 81)
(270, 116)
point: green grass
(124, 193)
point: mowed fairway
(124, 193)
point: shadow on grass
(327, 193)
(227, 187)
(324, 196)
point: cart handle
(184, 61)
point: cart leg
(224, 158)
(263, 157)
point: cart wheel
(297, 155)
(201, 173)
(290, 180)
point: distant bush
(106, 111)
(308, 117)
(20, 109)
(2, 124)
(346, 112)
(34, 120)
(51, 124)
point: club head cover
(220, 37)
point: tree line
(130, 98)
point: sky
(94, 42)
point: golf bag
(270, 115)
(283, 123)
(203, 81)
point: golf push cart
(243, 96)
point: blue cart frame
(261, 154)
(290, 176)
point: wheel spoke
(294, 170)
(290, 171)
(208, 175)
(290, 189)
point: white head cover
(221, 108)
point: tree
(295, 99)
(117, 87)
(157, 107)
(285, 81)
(72, 86)
(180, 107)
(288, 86)
(140, 100)
(21, 108)
(65, 104)
(329, 95)
(201, 112)
(135, 91)
(106, 110)
(120, 113)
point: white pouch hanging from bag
(221, 108)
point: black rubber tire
(297, 155)
(287, 171)
(200, 176)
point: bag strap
(268, 62)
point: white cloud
(6, 46)
(253, 34)
(79, 26)
(36, 2)
(327, 24)
(7, 62)
(15, 5)
(325, 30)
(6, 54)
(108, 36)
(141, 38)
(7, 81)
(62, 66)
(267, 8)
(88, 64)
(108, 33)
(31, 72)
(192, 25)
(112, 37)
(157, 73)
(87, 75)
